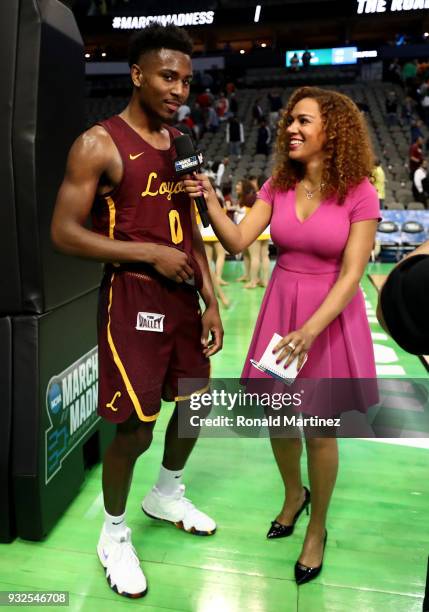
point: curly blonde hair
(348, 151)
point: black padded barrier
(7, 522)
(42, 112)
(56, 428)
(10, 282)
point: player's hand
(198, 185)
(295, 344)
(172, 263)
(212, 324)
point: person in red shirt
(415, 156)
(205, 98)
(222, 106)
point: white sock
(168, 481)
(115, 525)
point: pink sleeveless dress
(308, 264)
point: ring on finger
(291, 345)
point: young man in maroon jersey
(150, 330)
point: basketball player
(150, 330)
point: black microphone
(186, 162)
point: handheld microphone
(186, 162)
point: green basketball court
(378, 542)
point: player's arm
(211, 318)
(234, 238)
(89, 159)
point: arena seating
(391, 143)
(401, 231)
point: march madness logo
(71, 405)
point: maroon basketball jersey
(149, 204)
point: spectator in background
(230, 88)
(394, 72)
(257, 112)
(217, 78)
(420, 187)
(230, 205)
(219, 170)
(257, 181)
(363, 107)
(234, 136)
(415, 157)
(212, 119)
(184, 127)
(276, 104)
(391, 105)
(294, 63)
(416, 130)
(205, 98)
(197, 117)
(183, 111)
(263, 139)
(185, 123)
(408, 110)
(215, 252)
(423, 69)
(246, 197)
(378, 179)
(233, 103)
(207, 81)
(222, 106)
(306, 59)
(263, 241)
(409, 72)
(424, 102)
(188, 121)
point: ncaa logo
(55, 398)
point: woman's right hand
(199, 185)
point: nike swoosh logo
(136, 156)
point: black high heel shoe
(303, 573)
(277, 530)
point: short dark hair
(157, 37)
(226, 188)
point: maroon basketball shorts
(149, 337)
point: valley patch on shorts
(149, 336)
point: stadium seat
(394, 206)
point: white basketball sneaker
(178, 510)
(119, 558)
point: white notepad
(268, 364)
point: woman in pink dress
(323, 212)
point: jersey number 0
(175, 227)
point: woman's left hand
(197, 185)
(296, 344)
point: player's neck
(136, 116)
